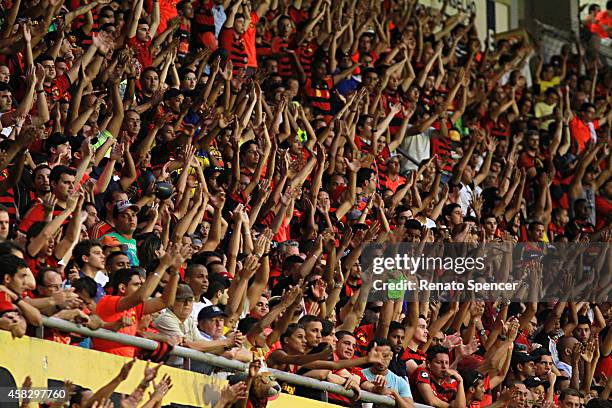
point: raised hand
(125, 369)
(151, 372)
(468, 349)
(233, 393)
(452, 341)
(188, 154)
(39, 74)
(161, 388)
(49, 201)
(250, 265)
(353, 165)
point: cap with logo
(122, 206)
(210, 312)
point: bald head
(565, 347)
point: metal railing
(216, 361)
(552, 38)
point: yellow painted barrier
(47, 362)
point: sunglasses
(478, 377)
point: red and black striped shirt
(203, 21)
(285, 65)
(319, 96)
(234, 45)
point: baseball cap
(532, 382)
(209, 171)
(123, 206)
(109, 241)
(183, 292)
(209, 312)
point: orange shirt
(107, 310)
(580, 131)
(249, 41)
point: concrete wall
(506, 14)
(558, 13)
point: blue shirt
(348, 86)
(219, 15)
(393, 381)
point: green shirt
(130, 245)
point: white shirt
(466, 195)
(197, 306)
(418, 147)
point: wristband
(40, 91)
(19, 299)
(100, 53)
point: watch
(482, 332)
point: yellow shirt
(544, 85)
(543, 109)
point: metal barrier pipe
(216, 361)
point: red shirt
(364, 335)
(143, 51)
(319, 95)
(278, 47)
(445, 390)
(107, 310)
(59, 89)
(37, 214)
(390, 184)
(602, 18)
(353, 371)
(36, 265)
(236, 47)
(249, 40)
(100, 229)
(580, 131)
(487, 399)
(603, 206)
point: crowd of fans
(208, 173)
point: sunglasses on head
(478, 377)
